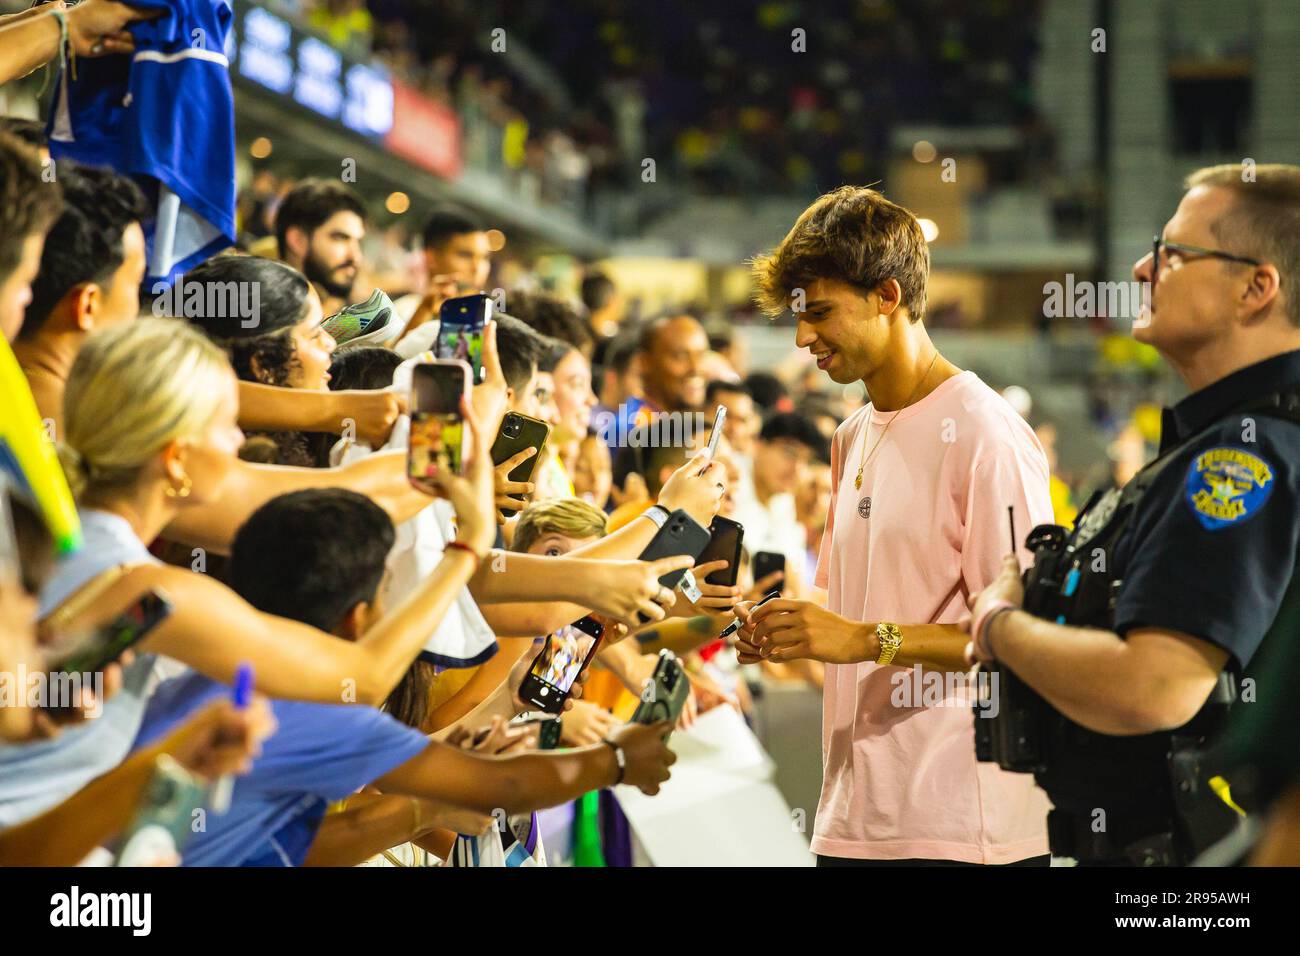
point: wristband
(462, 546)
(980, 649)
(658, 514)
(619, 758)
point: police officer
(1127, 633)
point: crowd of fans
(646, 80)
(255, 475)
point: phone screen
(565, 654)
(460, 331)
(112, 640)
(437, 428)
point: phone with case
(563, 658)
(680, 534)
(725, 537)
(665, 693)
(436, 447)
(767, 562)
(516, 433)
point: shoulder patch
(1227, 485)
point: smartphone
(765, 562)
(681, 534)
(518, 432)
(460, 331)
(165, 819)
(725, 536)
(563, 658)
(437, 441)
(665, 693)
(715, 433)
(110, 642)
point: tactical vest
(1145, 799)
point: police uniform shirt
(1212, 547)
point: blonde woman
(150, 415)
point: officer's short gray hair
(1264, 221)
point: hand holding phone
(517, 436)
(680, 535)
(665, 693)
(715, 433)
(725, 538)
(564, 655)
(111, 641)
(436, 447)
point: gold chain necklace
(857, 482)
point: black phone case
(681, 534)
(534, 691)
(102, 652)
(532, 434)
(765, 562)
(721, 532)
(664, 702)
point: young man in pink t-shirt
(922, 479)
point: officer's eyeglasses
(1157, 262)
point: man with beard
(319, 227)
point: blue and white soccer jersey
(165, 116)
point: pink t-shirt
(927, 528)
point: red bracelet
(462, 546)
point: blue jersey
(166, 117)
(319, 754)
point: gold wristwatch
(890, 639)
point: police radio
(1013, 737)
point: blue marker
(243, 685)
(224, 788)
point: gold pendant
(857, 482)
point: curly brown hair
(855, 235)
